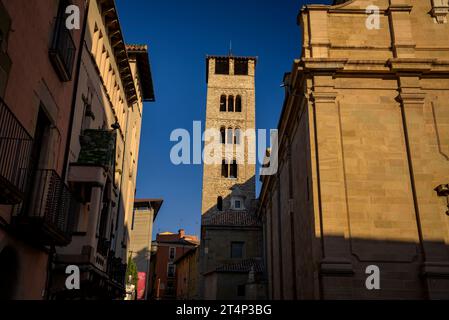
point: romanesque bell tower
(230, 185)
(230, 232)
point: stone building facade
(114, 82)
(38, 63)
(230, 232)
(363, 159)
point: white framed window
(237, 203)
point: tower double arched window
(229, 170)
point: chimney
(181, 233)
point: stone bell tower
(230, 185)
(230, 231)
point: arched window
(223, 103)
(224, 169)
(231, 104)
(234, 170)
(223, 135)
(220, 203)
(230, 134)
(238, 104)
(237, 136)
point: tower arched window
(230, 134)
(238, 104)
(223, 135)
(223, 103)
(237, 136)
(220, 203)
(231, 104)
(234, 170)
(224, 169)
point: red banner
(141, 284)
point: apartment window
(63, 49)
(172, 253)
(220, 203)
(237, 250)
(234, 170)
(222, 66)
(241, 67)
(238, 104)
(171, 270)
(231, 104)
(224, 169)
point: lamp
(443, 191)
(115, 126)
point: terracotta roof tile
(231, 218)
(242, 266)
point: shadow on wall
(238, 193)
(336, 267)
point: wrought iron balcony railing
(116, 269)
(15, 151)
(48, 213)
(63, 50)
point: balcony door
(37, 152)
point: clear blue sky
(180, 34)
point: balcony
(116, 269)
(48, 214)
(63, 50)
(15, 150)
(98, 148)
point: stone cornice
(323, 97)
(412, 98)
(406, 65)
